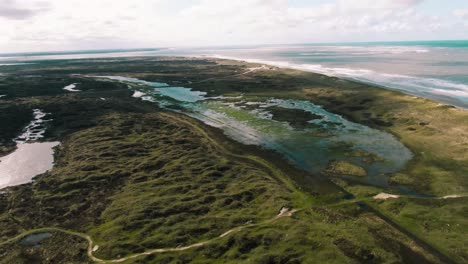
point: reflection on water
(329, 138)
(30, 158)
(182, 94)
(34, 239)
(27, 161)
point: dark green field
(134, 177)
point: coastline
(423, 125)
(419, 123)
(353, 75)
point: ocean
(437, 70)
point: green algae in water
(329, 137)
(182, 94)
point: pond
(30, 158)
(34, 239)
(27, 161)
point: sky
(56, 25)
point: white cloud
(379, 4)
(17, 9)
(461, 13)
(90, 24)
(273, 20)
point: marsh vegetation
(134, 175)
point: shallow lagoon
(330, 137)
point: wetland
(308, 135)
(186, 150)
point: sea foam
(436, 89)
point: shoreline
(325, 71)
(98, 154)
(412, 120)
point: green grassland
(135, 178)
(298, 119)
(436, 134)
(136, 182)
(441, 221)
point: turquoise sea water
(437, 70)
(427, 43)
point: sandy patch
(452, 196)
(385, 196)
(71, 88)
(138, 94)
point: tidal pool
(328, 138)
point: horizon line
(116, 50)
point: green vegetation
(135, 178)
(55, 249)
(17, 117)
(345, 168)
(443, 222)
(176, 188)
(296, 118)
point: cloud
(381, 4)
(11, 9)
(83, 24)
(461, 13)
(273, 20)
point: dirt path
(385, 196)
(285, 212)
(276, 174)
(92, 247)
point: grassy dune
(141, 181)
(436, 134)
(136, 178)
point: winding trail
(386, 196)
(284, 212)
(383, 196)
(92, 246)
(276, 173)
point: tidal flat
(137, 175)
